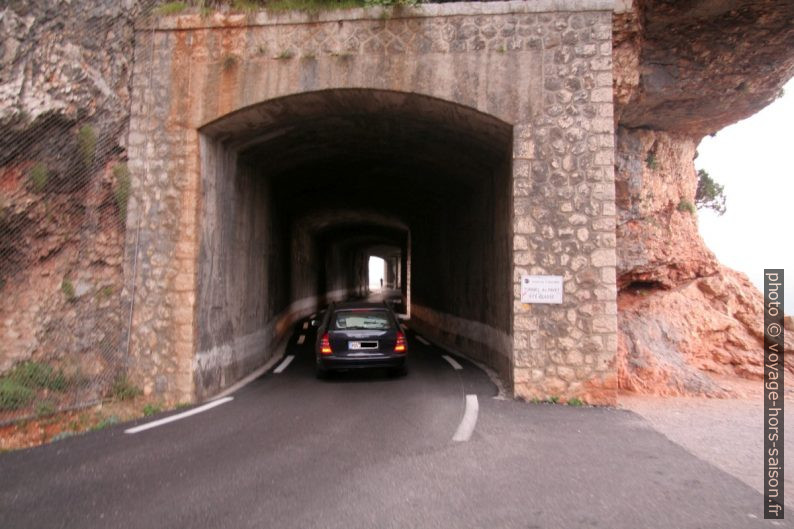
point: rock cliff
(683, 70)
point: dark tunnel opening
(298, 193)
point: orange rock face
(687, 325)
(693, 338)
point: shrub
(38, 177)
(576, 401)
(86, 141)
(121, 188)
(13, 395)
(104, 423)
(122, 389)
(68, 289)
(150, 409)
(286, 54)
(170, 8)
(686, 205)
(554, 399)
(34, 375)
(650, 161)
(709, 193)
(45, 408)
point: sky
(754, 160)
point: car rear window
(362, 320)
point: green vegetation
(686, 205)
(122, 389)
(86, 141)
(535, 400)
(104, 423)
(650, 161)
(170, 8)
(313, 6)
(45, 408)
(246, 5)
(554, 399)
(13, 395)
(68, 289)
(104, 293)
(151, 409)
(709, 193)
(18, 387)
(285, 55)
(121, 188)
(38, 177)
(36, 375)
(576, 402)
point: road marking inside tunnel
(178, 416)
(469, 420)
(403, 327)
(283, 365)
(454, 363)
(301, 339)
(305, 325)
(421, 339)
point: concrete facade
(527, 84)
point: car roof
(347, 305)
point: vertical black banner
(773, 394)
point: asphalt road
(365, 450)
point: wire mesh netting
(67, 250)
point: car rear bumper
(341, 362)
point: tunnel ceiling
(363, 150)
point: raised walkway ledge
(192, 21)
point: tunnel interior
(299, 192)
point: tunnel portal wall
(543, 68)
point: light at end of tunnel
(399, 347)
(325, 345)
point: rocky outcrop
(683, 70)
(64, 86)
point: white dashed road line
(178, 416)
(301, 339)
(454, 363)
(305, 325)
(283, 365)
(421, 339)
(469, 421)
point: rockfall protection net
(67, 252)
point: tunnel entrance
(270, 155)
(300, 191)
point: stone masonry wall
(543, 67)
(565, 217)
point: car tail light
(325, 345)
(399, 346)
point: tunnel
(298, 192)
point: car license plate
(355, 346)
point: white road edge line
(178, 416)
(454, 363)
(301, 339)
(469, 420)
(283, 365)
(421, 339)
